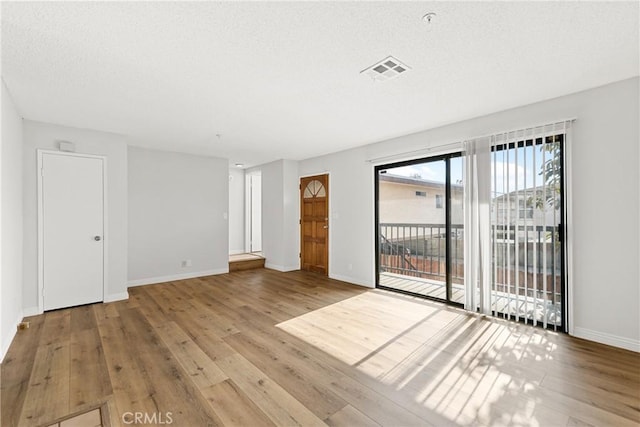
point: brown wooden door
(314, 223)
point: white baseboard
(282, 268)
(116, 297)
(9, 338)
(183, 276)
(31, 311)
(609, 339)
(351, 280)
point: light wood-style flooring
(263, 348)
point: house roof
(387, 177)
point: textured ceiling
(282, 80)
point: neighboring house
(413, 200)
(526, 207)
(412, 218)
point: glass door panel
(526, 212)
(419, 248)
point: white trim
(105, 238)
(281, 268)
(329, 215)
(608, 339)
(116, 297)
(31, 311)
(351, 281)
(9, 338)
(173, 277)
(307, 175)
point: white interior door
(72, 230)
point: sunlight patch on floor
(355, 329)
(467, 368)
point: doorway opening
(420, 232)
(253, 212)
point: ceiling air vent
(386, 69)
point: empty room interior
(320, 213)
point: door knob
(97, 238)
(326, 226)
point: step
(242, 262)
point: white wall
(272, 214)
(39, 135)
(236, 211)
(351, 228)
(178, 205)
(10, 222)
(280, 214)
(290, 220)
(604, 172)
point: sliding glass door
(419, 213)
(526, 230)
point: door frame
(105, 239)
(446, 157)
(330, 220)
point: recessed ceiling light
(239, 165)
(386, 69)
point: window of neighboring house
(526, 213)
(525, 208)
(439, 201)
(421, 194)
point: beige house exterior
(407, 200)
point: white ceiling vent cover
(386, 69)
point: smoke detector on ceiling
(386, 69)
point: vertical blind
(513, 224)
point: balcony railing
(419, 250)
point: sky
(507, 169)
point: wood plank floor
(262, 348)
(241, 262)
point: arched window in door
(314, 189)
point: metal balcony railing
(419, 250)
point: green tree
(550, 173)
